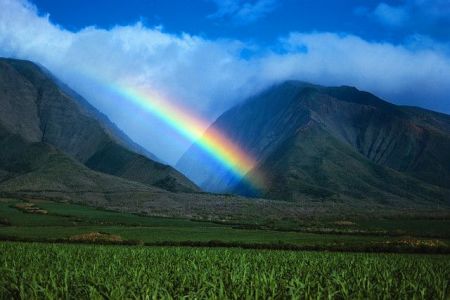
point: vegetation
(49, 221)
(63, 270)
(119, 272)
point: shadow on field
(399, 247)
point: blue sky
(264, 21)
(209, 55)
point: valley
(341, 182)
(224, 149)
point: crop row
(118, 272)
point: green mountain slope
(316, 164)
(113, 159)
(40, 170)
(35, 107)
(316, 143)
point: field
(118, 272)
(233, 260)
(64, 222)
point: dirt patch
(31, 208)
(96, 237)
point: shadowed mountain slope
(39, 109)
(39, 169)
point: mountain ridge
(373, 135)
(37, 109)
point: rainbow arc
(192, 127)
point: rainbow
(192, 127)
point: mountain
(314, 144)
(54, 145)
(39, 113)
(339, 143)
(42, 170)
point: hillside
(40, 170)
(339, 143)
(38, 108)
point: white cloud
(399, 73)
(190, 70)
(209, 76)
(243, 11)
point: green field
(46, 269)
(36, 271)
(63, 221)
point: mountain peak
(338, 142)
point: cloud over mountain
(210, 76)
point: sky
(205, 56)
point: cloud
(399, 73)
(391, 16)
(210, 76)
(242, 11)
(426, 17)
(189, 70)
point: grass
(33, 271)
(66, 214)
(63, 221)
(169, 233)
(77, 271)
(420, 226)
